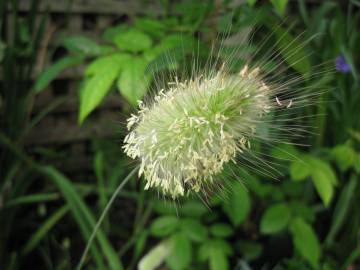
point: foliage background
(307, 220)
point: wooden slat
(62, 132)
(97, 6)
(71, 104)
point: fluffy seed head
(189, 132)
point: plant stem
(102, 216)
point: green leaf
(194, 229)
(151, 26)
(54, 70)
(251, 3)
(305, 241)
(83, 45)
(162, 207)
(357, 163)
(221, 230)
(32, 198)
(275, 218)
(99, 64)
(2, 50)
(238, 206)
(133, 41)
(83, 217)
(291, 49)
(155, 257)
(180, 252)
(323, 178)
(299, 170)
(220, 244)
(285, 152)
(193, 209)
(111, 33)
(344, 156)
(218, 255)
(250, 250)
(97, 86)
(342, 208)
(44, 229)
(169, 52)
(300, 209)
(132, 82)
(280, 5)
(164, 226)
(140, 244)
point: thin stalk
(102, 216)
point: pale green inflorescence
(188, 133)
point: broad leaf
(323, 178)
(54, 70)
(344, 156)
(239, 204)
(299, 170)
(83, 45)
(133, 40)
(305, 241)
(132, 82)
(180, 252)
(275, 218)
(221, 230)
(98, 85)
(164, 225)
(194, 230)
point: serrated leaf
(133, 41)
(164, 226)
(82, 45)
(238, 206)
(275, 219)
(96, 87)
(133, 82)
(221, 230)
(54, 70)
(180, 252)
(305, 241)
(194, 230)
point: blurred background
(70, 74)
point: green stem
(103, 214)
